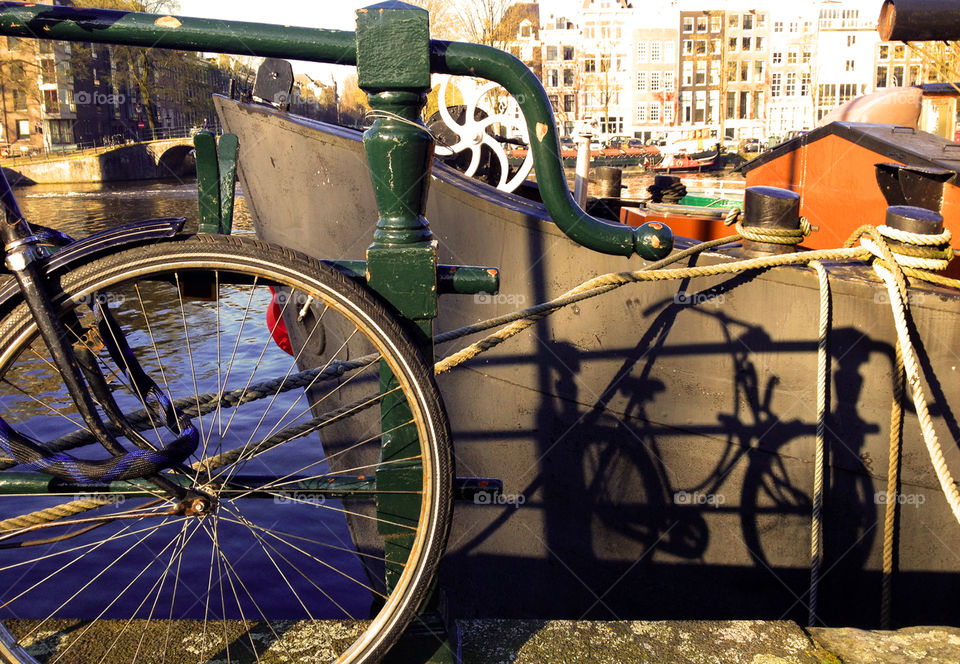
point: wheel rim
(180, 584)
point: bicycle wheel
(283, 560)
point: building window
(525, 30)
(701, 47)
(882, 76)
(641, 112)
(51, 101)
(775, 85)
(701, 78)
(641, 51)
(669, 51)
(655, 112)
(715, 72)
(793, 26)
(23, 129)
(732, 44)
(589, 65)
(744, 105)
(569, 103)
(851, 40)
(746, 43)
(776, 58)
(668, 113)
(551, 52)
(552, 79)
(686, 107)
(19, 99)
(745, 72)
(884, 51)
(791, 57)
(761, 20)
(568, 77)
(758, 71)
(13, 43)
(731, 111)
(849, 65)
(701, 24)
(790, 89)
(641, 81)
(778, 26)
(715, 46)
(804, 85)
(715, 24)
(748, 21)
(554, 102)
(688, 47)
(654, 81)
(700, 107)
(655, 51)
(688, 24)
(914, 75)
(806, 57)
(732, 70)
(897, 77)
(733, 20)
(759, 44)
(568, 53)
(899, 52)
(688, 73)
(668, 83)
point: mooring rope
(893, 488)
(823, 385)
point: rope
(608, 282)
(823, 385)
(787, 236)
(893, 486)
(671, 194)
(54, 513)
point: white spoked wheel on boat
(482, 109)
(285, 559)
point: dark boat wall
(656, 443)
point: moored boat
(655, 444)
(697, 162)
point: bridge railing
(104, 144)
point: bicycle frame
(24, 256)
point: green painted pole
(393, 68)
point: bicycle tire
(307, 599)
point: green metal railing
(340, 47)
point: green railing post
(393, 68)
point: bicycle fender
(107, 241)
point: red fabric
(275, 322)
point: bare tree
(141, 69)
(480, 21)
(444, 21)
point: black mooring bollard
(770, 207)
